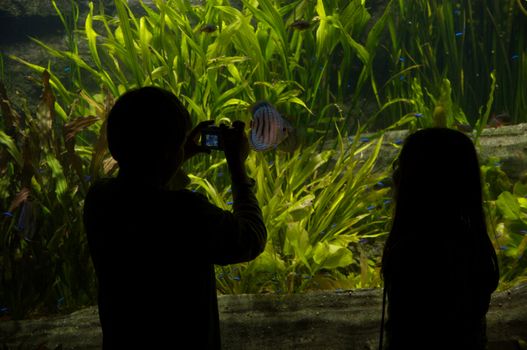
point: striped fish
(268, 128)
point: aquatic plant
(244, 56)
(219, 60)
(315, 209)
(477, 48)
(47, 162)
(506, 207)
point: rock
(316, 320)
(507, 143)
(24, 8)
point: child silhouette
(439, 265)
(154, 249)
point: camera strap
(381, 335)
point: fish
(269, 129)
(208, 28)
(463, 127)
(26, 220)
(499, 120)
(300, 24)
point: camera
(211, 137)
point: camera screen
(211, 140)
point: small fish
(463, 127)
(300, 24)
(208, 28)
(26, 220)
(379, 185)
(499, 120)
(269, 129)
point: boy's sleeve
(239, 235)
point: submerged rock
(506, 144)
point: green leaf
(302, 208)
(211, 191)
(125, 18)
(297, 242)
(8, 142)
(159, 72)
(520, 189)
(332, 256)
(55, 82)
(61, 185)
(508, 205)
(91, 35)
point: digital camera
(211, 137)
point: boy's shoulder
(100, 186)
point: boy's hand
(192, 146)
(236, 148)
(235, 142)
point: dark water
(20, 29)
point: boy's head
(147, 129)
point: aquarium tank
(350, 77)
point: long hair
(439, 206)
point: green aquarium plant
(506, 206)
(436, 40)
(315, 208)
(48, 161)
(302, 56)
(219, 60)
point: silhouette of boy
(439, 265)
(154, 249)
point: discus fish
(269, 129)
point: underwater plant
(315, 209)
(478, 49)
(47, 163)
(507, 216)
(219, 60)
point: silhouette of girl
(439, 265)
